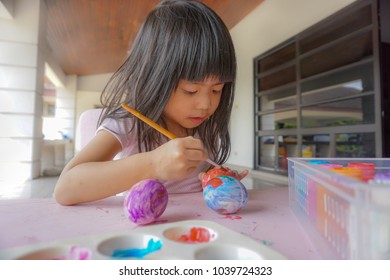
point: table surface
(266, 218)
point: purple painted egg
(145, 201)
(225, 194)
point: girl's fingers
(243, 174)
(200, 176)
(237, 175)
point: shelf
(322, 82)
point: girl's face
(191, 104)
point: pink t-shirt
(120, 129)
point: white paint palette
(187, 240)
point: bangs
(208, 56)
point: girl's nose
(204, 101)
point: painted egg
(145, 201)
(216, 172)
(225, 194)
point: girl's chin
(193, 126)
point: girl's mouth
(197, 120)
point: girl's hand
(177, 158)
(241, 175)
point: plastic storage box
(343, 205)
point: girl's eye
(217, 91)
(191, 92)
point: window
(315, 94)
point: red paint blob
(216, 172)
(196, 235)
(215, 182)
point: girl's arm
(93, 174)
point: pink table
(266, 218)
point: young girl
(180, 73)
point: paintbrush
(158, 128)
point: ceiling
(91, 37)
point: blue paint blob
(138, 252)
(318, 161)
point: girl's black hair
(180, 39)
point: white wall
(270, 24)
(89, 89)
(22, 37)
(93, 82)
(86, 100)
